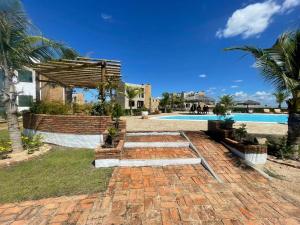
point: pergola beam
(82, 72)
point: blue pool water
(238, 117)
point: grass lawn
(62, 171)
(4, 134)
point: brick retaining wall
(71, 124)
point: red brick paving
(228, 167)
(169, 195)
(158, 153)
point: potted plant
(228, 123)
(111, 137)
(220, 111)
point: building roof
(81, 72)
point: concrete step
(156, 144)
(100, 163)
(151, 133)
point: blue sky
(174, 45)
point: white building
(143, 99)
(25, 86)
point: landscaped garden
(62, 171)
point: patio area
(179, 194)
(135, 123)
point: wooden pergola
(81, 72)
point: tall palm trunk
(10, 97)
(294, 133)
(294, 124)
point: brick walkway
(227, 166)
(169, 195)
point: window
(142, 93)
(140, 104)
(131, 103)
(25, 76)
(25, 100)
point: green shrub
(101, 109)
(5, 148)
(32, 143)
(279, 148)
(51, 108)
(241, 132)
(112, 134)
(85, 109)
(227, 123)
(220, 110)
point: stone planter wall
(67, 130)
(215, 130)
(112, 153)
(254, 154)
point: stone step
(151, 133)
(156, 144)
(100, 163)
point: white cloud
(234, 86)
(238, 81)
(106, 17)
(288, 5)
(255, 18)
(202, 75)
(223, 90)
(263, 97)
(240, 95)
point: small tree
(117, 112)
(220, 110)
(131, 93)
(280, 97)
(165, 101)
(227, 101)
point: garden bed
(14, 158)
(67, 130)
(252, 153)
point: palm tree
(20, 45)
(279, 65)
(227, 101)
(131, 93)
(165, 101)
(280, 97)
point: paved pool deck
(135, 123)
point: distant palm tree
(280, 65)
(20, 45)
(280, 97)
(165, 101)
(131, 93)
(227, 101)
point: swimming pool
(238, 117)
